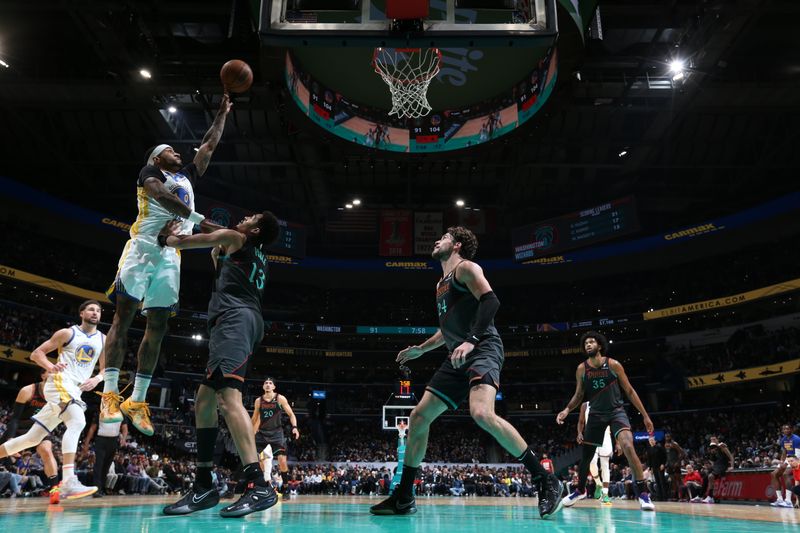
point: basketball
(236, 76)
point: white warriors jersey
(152, 215)
(80, 355)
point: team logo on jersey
(184, 196)
(84, 354)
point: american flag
(352, 220)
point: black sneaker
(393, 505)
(255, 498)
(194, 500)
(550, 491)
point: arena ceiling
(77, 117)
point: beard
(592, 353)
(441, 254)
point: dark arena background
(629, 167)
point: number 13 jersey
(239, 281)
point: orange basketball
(236, 76)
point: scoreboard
(291, 240)
(575, 230)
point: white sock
(140, 385)
(788, 496)
(605, 491)
(67, 471)
(110, 380)
(778, 495)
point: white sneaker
(72, 489)
(786, 504)
(696, 499)
(645, 503)
(776, 503)
(573, 498)
(708, 499)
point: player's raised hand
(459, 355)
(409, 353)
(225, 104)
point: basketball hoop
(408, 72)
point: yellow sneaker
(139, 414)
(109, 407)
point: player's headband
(157, 151)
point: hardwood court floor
(325, 514)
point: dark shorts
(596, 425)
(274, 438)
(719, 470)
(483, 365)
(233, 337)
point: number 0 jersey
(152, 215)
(239, 281)
(601, 389)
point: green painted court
(328, 514)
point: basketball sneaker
(255, 498)
(708, 499)
(393, 505)
(55, 495)
(776, 503)
(598, 492)
(196, 499)
(550, 492)
(573, 498)
(109, 407)
(606, 500)
(644, 502)
(72, 489)
(139, 413)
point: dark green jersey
(239, 281)
(270, 415)
(601, 389)
(457, 309)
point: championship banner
(395, 235)
(427, 230)
(726, 301)
(47, 283)
(729, 377)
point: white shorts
(149, 274)
(59, 391)
(266, 453)
(607, 449)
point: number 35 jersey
(601, 389)
(239, 281)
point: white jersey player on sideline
(79, 350)
(604, 453)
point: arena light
(623, 152)
(356, 201)
(348, 206)
(145, 74)
(172, 109)
(460, 203)
(3, 63)
(677, 65)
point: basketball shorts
(148, 274)
(233, 336)
(719, 469)
(483, 365)
(59, 391)
(276, 439)
(598, 423)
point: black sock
(252, 473)
(641, 486)
(285, 479)
(206, 440)
(405, 489)
(531, 462)
(52, 481)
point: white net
(408, 72)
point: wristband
(294, 427)
(195, 217)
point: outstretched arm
(412, 352)
(229, 239)
(576, 398)
(626, 386)
(212, 136)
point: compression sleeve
(487, 308)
